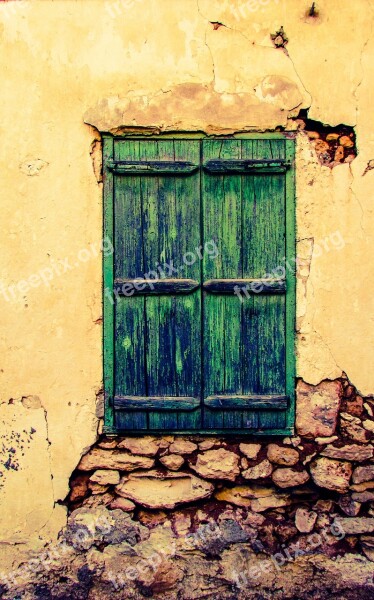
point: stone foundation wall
(277, 511)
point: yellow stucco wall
(68, 67)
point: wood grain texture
(251, 286)
(152, 167)
(131, 287)
(247, 167)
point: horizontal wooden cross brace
(132, 287)
(225, 402)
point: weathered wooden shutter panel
(187, 354)
(244, 342)
(157, 336)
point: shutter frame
(284, 287)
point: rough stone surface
(356, 525)
(276, 500)
(352, 452)
(352, 428)
(369, 425)
(361, 474)
(123, 504)
(285, 478)
(97, 488)
(217, 464)
(282, 456)
(349, 506)
(238, 495)
(250, 450)
(363, 496)
(182, 447)
(146, 446)
(259, 471)
(317, 408)
(305, 520)
(172, 461)
(106, 459)
(331, 474)
(367, 545)
(105, 477)
(156, 490)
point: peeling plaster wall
(70, 68)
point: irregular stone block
(305, 520)
(105, 477)
(122, 504)
(182, 447)
(172, 461)
(263, 469)
(355, 525)
(217, 464)
(331, 474)
(145, 446)
(250, 450)
(98, 458)
(157, 490)
(285, 478)
(317, 408)
(241, 495)
(282, 456)
(273, 501)
(349, 506)
(349, 452)
(363, 496)
(362, 474)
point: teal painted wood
(291, 284)
(259, 220)
(152, 167)
(239, 337)
(108, 300)
(249, 167)
(156, 402)
(246, 286)
(136, 287)
(162, 335)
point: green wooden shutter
(183, 352)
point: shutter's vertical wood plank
(232, 267)
(213, 311)
(222, 222)
(291, 283)
(128, 215)
(173, 332)
(188, 308)
(272, 337)
(130, 368)
(164, 363)
(269, 233)
(150, 193)
(130, 373)
(249, 346)
(108, 299)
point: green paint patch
(126, 343)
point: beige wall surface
(68, 67)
